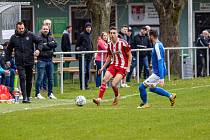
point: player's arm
(160, 64)
(108, 60)
(129, 54)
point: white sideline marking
(107, 100)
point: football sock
(101, 91)
(160, 91)
(143, 93)
(115, 89)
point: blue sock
(143, 93)
(160, 91)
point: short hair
(67, 27)
(153, 33)
(112, 28)
(19, 23)
(47, 20)
(126, 26)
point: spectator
(141, 41)
(66, 40)
(23, 44)
(45, 63)
(101, 45)
(149, 53)
(202, 41)
(84, 43)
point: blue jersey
(158, 62)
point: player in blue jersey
(159, 72)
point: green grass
(62, 120)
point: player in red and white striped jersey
(119, 54)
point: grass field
(62, 120)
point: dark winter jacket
(141, 42)
(49, 44)
(65, 42)
(23, 45)
(84, 43)
(201, 42)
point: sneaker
(39, 96)
(52, 96)
(97, 101)
(127, 85)
(143, 106)
(115, 102)
(172, 99)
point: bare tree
(169, 12)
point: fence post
(168, 61)
(207, 61)
(137, 68)
(182, 65)
(102, 60)
(195, 62)
(61, 71)
(83, 71)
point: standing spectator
(84, 43)
(117, 48)
(45, 63)
(101, 45)
(202, 41)
(23, 43)
(149, 53)
(141, 41)
(134, 60)
(66, 40)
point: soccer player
(159, 72)
(119, 58)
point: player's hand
(7, 72)
(127, 70)
(100, 71)
(36, 53)
(161, 82)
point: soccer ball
(80, 100)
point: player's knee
(142, 87)
(114, 84)
(104, 81)
(152, 89)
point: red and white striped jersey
(119, 53)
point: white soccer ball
(80, 100)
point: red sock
(116, 93)
(102, 91)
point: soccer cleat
(39, 96)
(143, 106)
(97, 101)
(52, 96)
(115, 102)
(172, 99)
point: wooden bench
(74, 70)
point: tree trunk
(100, 16)
(169, 15)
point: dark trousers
(133, 65)
(25, 76)
(86, 71)
(201, 64)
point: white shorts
(152, 81)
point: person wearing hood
(84, 43)
(23, 44)
(44, 63)
(66, 40)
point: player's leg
(102, 90)
(115, 82)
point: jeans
(9, 80)
(143, 63)
(133, 65)
(42, 67)
(86, 71)
(44, 82)
(25, 76)
(98, 77)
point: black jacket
(84, 43)
(201, 42)
(65, 43)
(49, 44)
(139, 42)
(23, 45)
